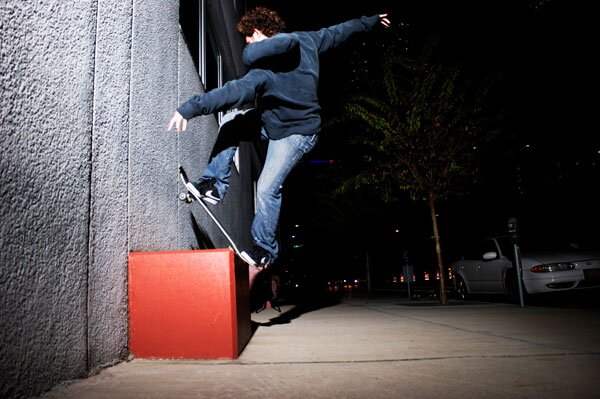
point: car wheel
(462, 291)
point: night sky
(544, 51)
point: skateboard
(189, 197)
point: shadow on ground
(302, 301)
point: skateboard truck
(186, 197)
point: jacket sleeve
(233, 94)
(328, 38)
(277, 45)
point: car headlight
(553, 267)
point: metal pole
(513, 230)
(408, 273)
(519, 273)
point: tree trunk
(438, 249)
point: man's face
(257, 36)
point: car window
(476, 252)
(556, 243)
(506, 245)
(488, 246)
(543, 243)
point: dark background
(542, 169)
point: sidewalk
(382, 347)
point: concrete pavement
(381, 347)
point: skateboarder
(287, 105)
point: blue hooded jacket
(287, 99)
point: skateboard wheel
(186, 197)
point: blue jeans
(282, 156)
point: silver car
(488, 267)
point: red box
(188, 305)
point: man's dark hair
(262, 18)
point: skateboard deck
(189, 197)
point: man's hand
(178, 122)
(384, 20)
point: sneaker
(248, 259)
(258, 257)
(206, 190)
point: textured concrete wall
(46, 106)
(108, 246)
(162, 77)
(153, 152)
(88, 174)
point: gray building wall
(89, 173)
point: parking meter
(513, 231)
(513, 227)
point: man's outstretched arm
(260, 52)
(335, 35)
(233, 94)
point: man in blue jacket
(289, 112)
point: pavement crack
(395, 360)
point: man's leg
(218, 172)
(241, 126)
(282, 156)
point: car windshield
(537, 243)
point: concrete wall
(88, 174)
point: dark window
(197, 29)
(477, 251)
(189, 13)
